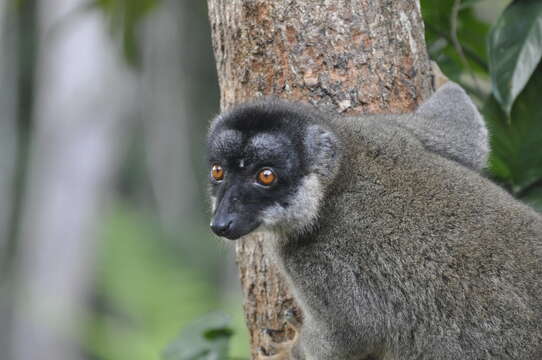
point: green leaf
(125, 17)
(516, 156)
(471, 33)
(533, 197)
(515, 49)
(205, 339)
(469, 3)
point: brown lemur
(394, 244)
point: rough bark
(354, 56)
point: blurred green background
(105, 251)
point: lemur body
(393, 243)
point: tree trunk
(168, 110)
(9, 41)
(8, 125)
(354, 56)
(83, 96)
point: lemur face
(249, 175)
(260, 171)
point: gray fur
(325, 151)
(413, 254)
(449, 124)
(266, 145)
(229, 140)
(415, 257)
(302, 211)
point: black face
(249, 175)
(255, 164)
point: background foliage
(499, 64)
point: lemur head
(269, 164)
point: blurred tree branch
(81, 101)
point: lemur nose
(221, 226)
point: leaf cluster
(500, 66)
(205, 339)
(125, 17)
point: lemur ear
(449, 124)
(324, 151)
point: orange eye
(217, 172)
(266, 177)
